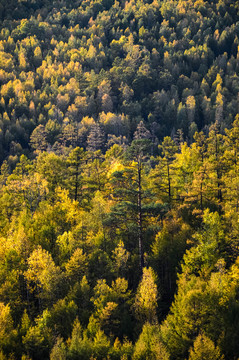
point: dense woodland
(119, 182)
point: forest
(119, 180)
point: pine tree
(217, 164)
(75, 162)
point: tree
(162, 175)
(58, 351)
(133, 207)
(230, 155)
(194, 309)
(204, 349)
(232, 142)
(198, 306)
(7, 332)
(121, 350)
(75, 162)
(62, 316)
(190, 103)
(38, 139)
(4, 173)
(95, 139)
(149, 345)
(104, 91)
(209, 241)
(141, 132)
(215, 157)
(168, 249)
(120, 257)
(116, 124)
(201, 171)
(84, 347)
(43, 275)
(94, 175)
(146, 298)
(70, 134)
(137, 152)
(37, 56)
(112, 307)
(53, 169)
(76, 266)
(39, 339)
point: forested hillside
(68, 65)
(119, 182)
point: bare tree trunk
(140, 231)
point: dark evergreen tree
(38, 139)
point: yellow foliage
(116, 166)
(146, 298)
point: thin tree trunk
(169, 183)
(76, 182)
(140, 232)
(201, 195)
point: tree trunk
(76, 181)
(169, 183)
(140, 232)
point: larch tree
(95, 139)
(145, 304)
(204, 349)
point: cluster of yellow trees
(119, 179)
(91, 245)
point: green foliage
(119, 175)
(7, 331)
(63, 314)
(203, 348)
(65, 256)
(203, 257)
(174, 63)
(167, 251)
(58, 351)
(38, 339)
(43, 275)
(149, 345)
(80, 345)
(146, 297)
